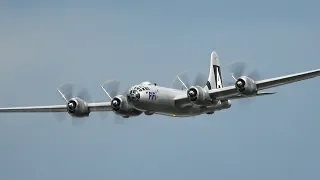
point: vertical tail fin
(215, 78)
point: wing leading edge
(93, 107)
(230, 92)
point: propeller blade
(114, 89)
(181, 81)
(125, 91)
(76, 122)
(200, 80)
(111, 87)
(66, 91)
(103, 115)
(118, 119)
(176, 84)
(255, 75)
(185, 79)
(237, 68)
(59, 116)
(84, 94)
(228, 83)
(245, 101)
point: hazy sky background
(43, 45)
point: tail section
(215, 78)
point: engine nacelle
(121, 107)
(246, 85)
(78, 108)
(199, 96)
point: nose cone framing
(133, 96)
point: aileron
(278, 81)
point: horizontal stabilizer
(265, 93)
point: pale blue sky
(43, 45)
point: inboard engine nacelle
(121, 106)
(246, 85)
(199, 96)
(78, 108)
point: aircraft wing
(94, 106)
(230, 92)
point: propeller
(66, 92)
(238, 69)
(111, 88)
(184, 82)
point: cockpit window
(146, 83)
(139, 88)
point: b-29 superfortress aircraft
(149, 98)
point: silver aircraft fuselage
(161, 100)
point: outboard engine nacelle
(78, 108)
(246, 85)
